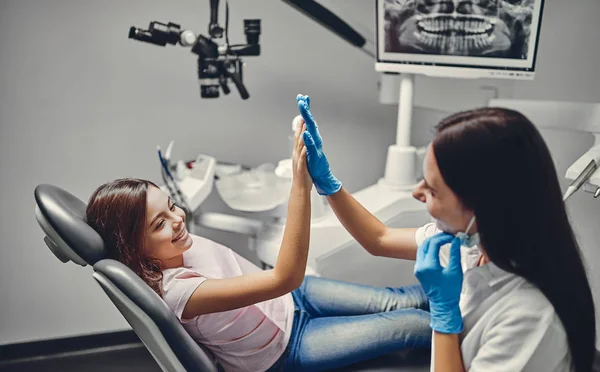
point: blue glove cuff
(446, 319)
(328, 185)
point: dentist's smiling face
(442, 203)
(166, 234)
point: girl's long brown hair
(117, 211)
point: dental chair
(61, 216)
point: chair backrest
(62, 217)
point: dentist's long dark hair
(499, 166)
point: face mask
(466, 239)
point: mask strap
(470, 224)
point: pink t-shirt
(246, 339)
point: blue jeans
(337, 324)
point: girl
(255, 320)
(524, 302)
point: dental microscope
(217, 64)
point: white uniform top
(509, 325)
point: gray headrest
(62, 217)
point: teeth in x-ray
(448, 25)
(471, 42)
(478, 42)
(456, 44)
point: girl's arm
(216, 295)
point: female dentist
(501, 266)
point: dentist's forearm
(448, 357)
(359, 222)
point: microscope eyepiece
(252, 30)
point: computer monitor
(459, 38)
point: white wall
(80, 104)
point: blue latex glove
(442, 285)
(318, 166)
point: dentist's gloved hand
(318, 166)
(442, 285)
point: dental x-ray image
(475, 28)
